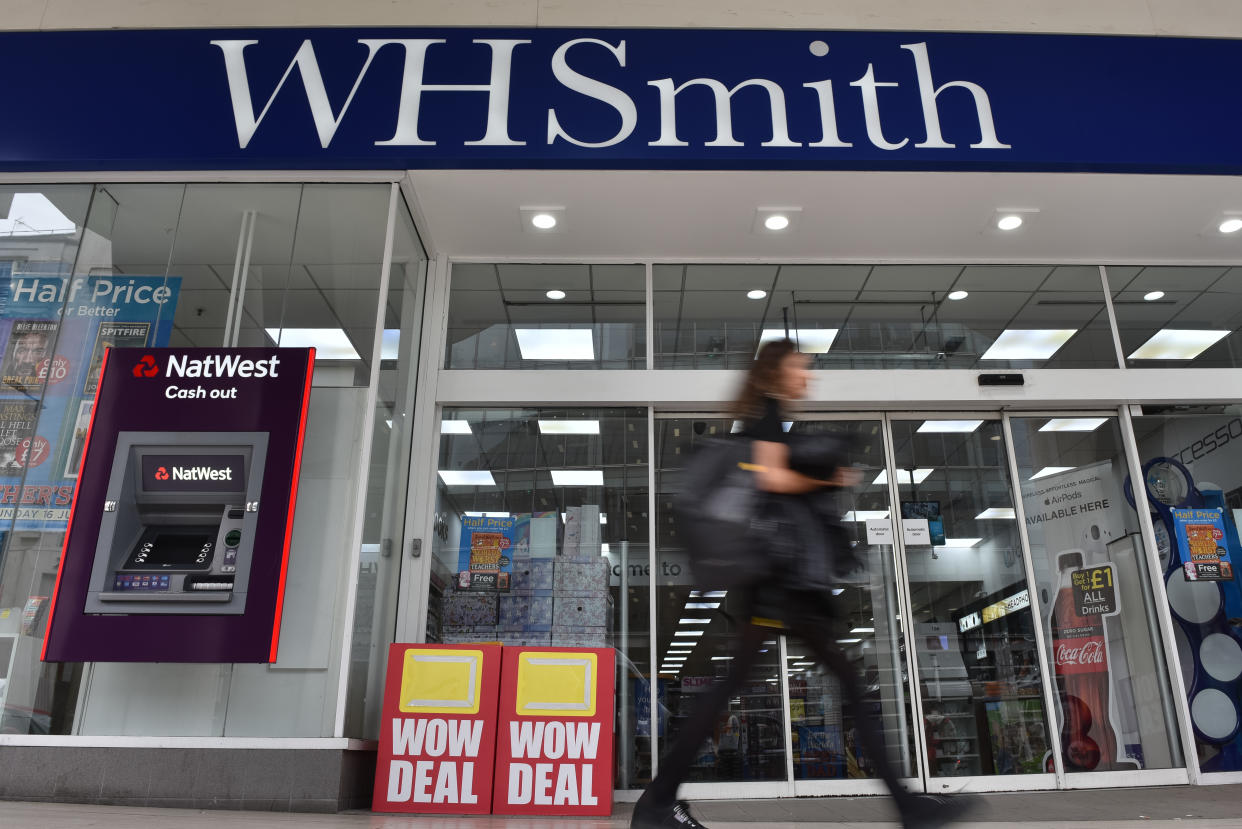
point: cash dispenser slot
(177, 533)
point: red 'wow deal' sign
(438, 735)
(554, 742)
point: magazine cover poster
(17, 424)
(28, 360)
(113, 335)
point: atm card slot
(209, 584)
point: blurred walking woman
(786, 599)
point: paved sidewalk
(1202, 807)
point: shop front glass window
(541, 539)
(1171, 317)
(974, 618)
(1114, 706)
(519, 316)
(1192, 472)
(189, 265)
(884, 316)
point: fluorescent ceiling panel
(1073, 424)
(722, 658)
(467, 477)
(862, 630)
(1177, 344)
(689, 620)
(569, 427)
(555, 343)
(996, 512)
(702, 605)
(577, 477)
(1028, 343)
(455, 427)
(961, 542)
(950, 425)
(809, 340)
(688, 633)
(866, 514)
(903, 476)
(715, 594)
(487, 514)
(1051, 470)
(329, 343)
(848, 641)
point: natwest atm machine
(177, 534)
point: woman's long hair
(763, 379)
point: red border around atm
(293, 499)
(86, 448)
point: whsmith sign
(397, 98)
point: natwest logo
(146, 367)
(195, 473)
(221, 365)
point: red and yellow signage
(438, 734)
(554, 751)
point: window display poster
(488, 547)
(53, 333)
(1200, 537)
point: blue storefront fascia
(269, 99)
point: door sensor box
(177, 531)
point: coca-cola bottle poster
(1072, 516)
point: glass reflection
(973, 636)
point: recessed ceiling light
(955, 295)
(802, 664)
(694, 633)
(1028, 343)
(702, 605)
(1051, 470)
(1010, 221)
(694, 621)
(454, 427)
(809, 340)
(903, 476)
(555, 343)
(577, 477)
(996, 513)
(467, 477)
(950, 425)
(1177, 344)
(543, 221)
(866, 515)
(555, 294)
(722, 658)
(1232, 225)
(569, 427)
(776, 221)
(1073, 424)
(756, 294)
(862, 630)
(329, 343)
(848, 641)
(1151, 296)
(715, 594)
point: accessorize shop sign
(722, 99)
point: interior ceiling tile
(846, 216)
(1084, 278)
(544, 277)
(474, 276)
(1166, 278)
(821, 277)
(202, 309)
(294, 309)
(1003, 277)
(356, 309)
(327, 277)
(723, 277)
(912, 278)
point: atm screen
(173, 548)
